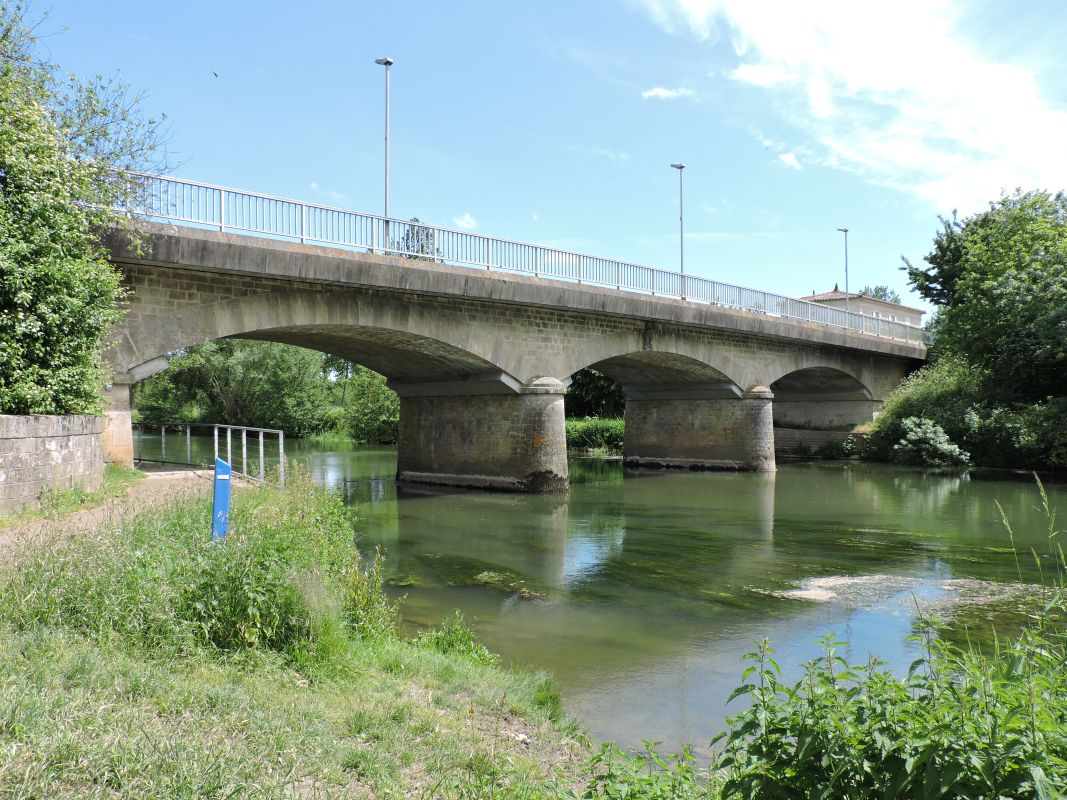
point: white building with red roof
(869, 306)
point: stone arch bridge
(481, 360)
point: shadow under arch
(822, 399)
(684, 413)
(651, 373)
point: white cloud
(891, 92)
(660, 93)
(789, 159)
(618, 156)
(465, 222)
(764, 75)
(331, 193)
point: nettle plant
(960, 724)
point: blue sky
(556, 122)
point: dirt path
(158, 487)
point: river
(640, 592)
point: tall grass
(146, 661)
(595, 433)
(286, 578)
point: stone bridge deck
(481, 359)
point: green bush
(845, 448)
(648, 776)
(944, 391)
(594, 433)
(924, 442)
(368, 611)
(959, 725)
(956, 397)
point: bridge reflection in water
(640, 590)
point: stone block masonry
(48, 453)
(702, 434)
(480, 358)
(512, 442)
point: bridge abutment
(513, 440)
(700, 432)
(118, 424)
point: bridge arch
(646, 372)
(385, 336)
(822, 398)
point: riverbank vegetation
(61, 140)
(57, 502)
(596, 435)
(996, 385)
(269, 385)
(145, 661)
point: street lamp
(845, 231)
(386, 62)
(681, 226)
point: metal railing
(205, 205)
(222, 436)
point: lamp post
(845, 231)
(681, 226)
(386, 62)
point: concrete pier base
(510, 441)
(709, 433)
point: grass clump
(455, 637)
(595, 433)
(117, 479)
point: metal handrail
(243, 431)
(207, 205)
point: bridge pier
(699, 429)
(483, 434)
(118, 423)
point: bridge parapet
(203, 205)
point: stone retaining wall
(39, 453)
(788, 440)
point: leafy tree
(1008, 312)
(259, 384)
(270, 385)
(372, 412)
(881, 292)
(937, 283)
(593, 394)
(60, 141)
(998, 383)
(417, 242)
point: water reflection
(640, 591)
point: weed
(454, 637)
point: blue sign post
(220, 505)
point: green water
(640, 592)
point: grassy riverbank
(117, 479)
(146, 662)
(595, 434)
